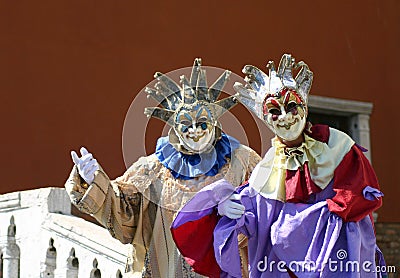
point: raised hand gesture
(86, 164)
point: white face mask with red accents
(285, 114)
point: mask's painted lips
(196, 138)
(288, 125)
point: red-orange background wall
(69, 71)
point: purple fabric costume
(329, 235)
(308, 239)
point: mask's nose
(192, 128)
(283, 115)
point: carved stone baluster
(1, 265)
(95, 273)
(50, 263)
(119, 274)
(11, 253)
(72, 265)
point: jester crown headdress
(192, 93)
(260, 86)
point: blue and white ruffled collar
(186, 167)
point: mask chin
(289, 133)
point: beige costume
(139, 207)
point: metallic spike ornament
(259, 86)
(278, 99)
(191, 109)
(190, 93)
(195, 72)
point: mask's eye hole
(184, 129)
(185, 126)
(274, 111)
(203, 125)
(291, 106)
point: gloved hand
(86, 165)
(230, 208)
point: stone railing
(40, 238)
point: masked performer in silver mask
(139, 206)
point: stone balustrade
(40, 238)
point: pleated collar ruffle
(269, 176)
(185, 166)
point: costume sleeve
(242, 163)
(200, 234)
(193, 227)
(226, 235)
(356, 187)
(249, 160)
(194, 224)
(118, 204)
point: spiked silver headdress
(260, 86)
(195, 91)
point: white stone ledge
(339, 107)
(10, 201)
(87, 235)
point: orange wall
(70, 69)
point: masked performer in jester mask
(139, 206)
(306, 208)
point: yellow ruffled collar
(268, 178)
(295, 157)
